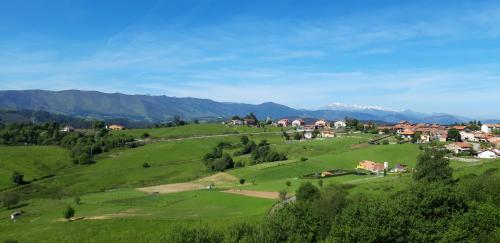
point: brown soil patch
(260, 194)
(218, 179)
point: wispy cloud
(306, 63)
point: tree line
(218, 160)
(82, 145)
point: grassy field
(196, 130)
(171, 162)
(124, 208)
(32, 161)
(112, 210)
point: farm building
(116, 127)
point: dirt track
(260, 194)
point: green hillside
(112, 210)
(33, 162)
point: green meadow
(33, 161)
(196, 130)
(112, 210)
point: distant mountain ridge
(94, 104)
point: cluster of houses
(472, 140)
(319, 124)
(428, 132)
(380, 167)
(323, 127)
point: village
(473, 140)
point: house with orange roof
(321, 123)
(459, 128)
(407, 134)
(372, 166)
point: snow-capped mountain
(356, 107)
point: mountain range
(146, 108)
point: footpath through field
(261, 194)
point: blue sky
(419, 55)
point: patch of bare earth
(217, 179)
(259, 194)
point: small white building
(486, 155)
(339, 124)
(308, 135)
